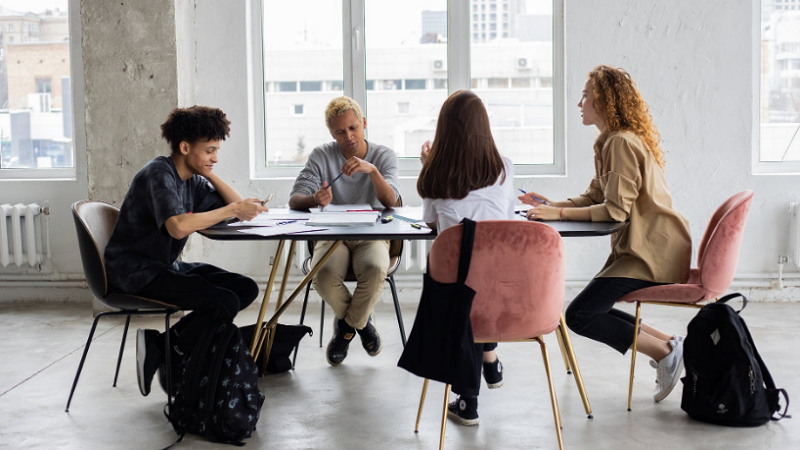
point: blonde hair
(622, 106)
(339, 106)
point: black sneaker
(337, 347)
(370, 339)
(464, 411)
(493, 374)
(148, 358)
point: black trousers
(592, 313)
(479, 349)
(210, 292)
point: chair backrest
(517, 272)
(94, 222)
(718, 252)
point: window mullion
(458, 45)
(354, 52)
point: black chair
(395, 256)
(94, 222)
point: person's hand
(424, 152)
(530, 198)
(323, 196)
(249, 208)
(544, 212)
(355, 165)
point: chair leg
(560, 340)
(83, 359)
(121, 349)
(397, 311)
(553, 400)
(576, 370)
(636, 327)
(421, 402)
(321, 322)
(302, 318)
(168, 362)
(444, 415)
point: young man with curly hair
(170, 198)
(370, 176)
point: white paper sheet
(293, 228)
(343, 219)
(346, 208)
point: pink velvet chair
(716, 264)
(517, 272)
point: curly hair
(622, 106)
(339, 106)
(195, 123)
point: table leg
(573, 361)
(265, 301)
(273, 321)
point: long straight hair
(463, 156)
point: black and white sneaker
(493, 374)
(340, 342)
(148, 358)
(464, 411)
(370, 339)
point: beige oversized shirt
(628, 185)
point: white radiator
(794, 233)
(22, 234)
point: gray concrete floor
(367, 403)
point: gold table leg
(576, 371)
(265, 301)
(421, 402)
(444, 415)
(636, 326)
(561, 346)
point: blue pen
(334, 180)
(540, 200)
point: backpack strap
(729, 297)
(467, 239)
(768, 381)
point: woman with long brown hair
(629, 184)
(464, 176)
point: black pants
(206, 290)
(592, 313)
(479, 349)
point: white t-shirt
(495, 202)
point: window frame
(78, 118)
(762, 167)
(354, 76)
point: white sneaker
(668, 370)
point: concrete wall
(691, 60)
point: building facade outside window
(36, 130)
(778, 72)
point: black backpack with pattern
(727, 382)
(218, 396)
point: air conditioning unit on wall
(524, 63)
(439, 65)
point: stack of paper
(343, 219)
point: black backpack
(725, 376)
(218, 396)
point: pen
(387, 219)
(417, 226)
(334, 180)
(540, 200)
(266, 200)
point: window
(388, 58)
(36, 131)
(778, 111)
(521, 103)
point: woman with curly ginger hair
(629, 184)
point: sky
(33, 5)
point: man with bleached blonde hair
(370, 176)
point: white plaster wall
(692, 62)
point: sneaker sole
(140, 357)
(462, 421)
(495, 385)
(675, 379)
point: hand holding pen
(324, 195)
(532, 198)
